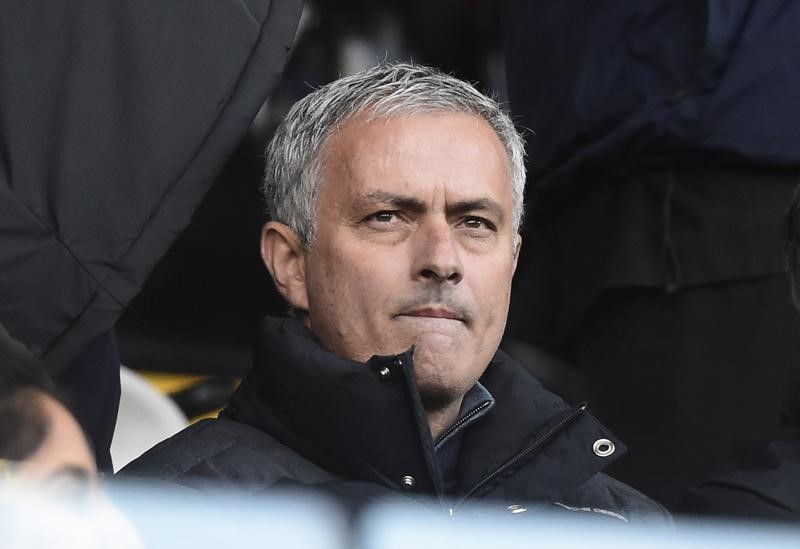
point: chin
(437, 397)
(441, 382)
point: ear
(284, 256)
(517, 246)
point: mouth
(434, 312)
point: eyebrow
(70, 471)
(416, 205)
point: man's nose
(436, 253)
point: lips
(434, 312)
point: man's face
(414, 246)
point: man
(41, 443)
(396, 198)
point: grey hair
(291, 183)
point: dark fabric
(91, 390)
(214, 454)
(663, 155)
(764, 484)
(662, 151)
(690, 378)
(347, 419)
(447, 445)
(662, 227)
(217, 451)
(114, 119)
(605, 85)
(341, 437)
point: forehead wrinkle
(395, 200)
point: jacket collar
(367, 423)
(550, 442)
(359, 422)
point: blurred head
(396, 199)
(41, 443)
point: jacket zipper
(537, 443)
(462, 421)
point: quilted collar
(366, 421)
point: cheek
(351, 281)
(492, 280)
(492, 290)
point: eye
(478, 223)
(385, 221)
(383, 217)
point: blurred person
(41, 443)
(664, 152)
(47, 467)
(762, 482)
(395, 197)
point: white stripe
(592, 510)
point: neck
(441, 418)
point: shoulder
(604, 495)
(223, 451)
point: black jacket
(115, 117)
(307, 416)
(763, 484)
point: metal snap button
(603, 447)
(408, 482)
(385, 373)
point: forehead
(456, 152)
(64, 444)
